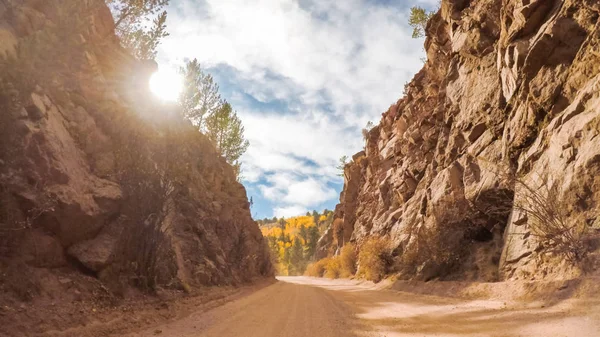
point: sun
(166, 84)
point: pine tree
(130, 17)
(303, 233)
(225, 130)
(200, 95)
(313, 239)
(282, 227)
(316, 216)
(366, 130)
(297, 257)
(201, 103)
(418, 21)
(342, 165)
(286, 258)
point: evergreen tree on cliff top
(201, 103)
(225, 130)
(200, 96)
(131, 22)
(418, 21)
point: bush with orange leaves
(341, 266)
(333, 268)
(348, 261)
(373, 259)
(316, 269)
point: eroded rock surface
(89, 161)
(509, 86)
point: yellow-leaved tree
(293, 241)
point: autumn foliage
(348, 260)
(293, 242)
(317, 269)
(373, 259)
(341, 266)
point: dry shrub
(373, 259)
(434, 251)
(333, 268)
(548, 217)
(144, 254)
(341, 266)
(550, 221)
(316, 269)
(348, 261)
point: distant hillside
(293, 241)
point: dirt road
(303, 307)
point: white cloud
(292, 189)
(308, 192)
(289, 211)
(278, 141)
(337, 64)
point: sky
(305, 77)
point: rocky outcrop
(510, 89)
(96, 175)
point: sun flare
(166, 84)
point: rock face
(93, 171)
(510, 88)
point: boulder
(40, 249)
(8, 43)
(96, 254)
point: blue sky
(305, 77)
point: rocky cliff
(97, 176)
(506, 108)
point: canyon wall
(98, 176)
(507, 103)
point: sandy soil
(94, 312)
(301, 306)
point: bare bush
(548, 218)
(550, 221)
(373, 259)
(433, 251)
(144, 254)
